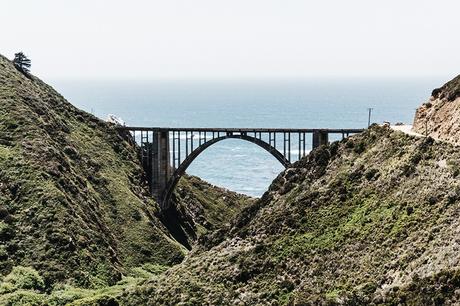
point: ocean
(235, 164)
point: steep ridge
(72, 201)
(371, 219)
(439, 117)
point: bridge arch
(179, 172)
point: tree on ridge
(22, 63)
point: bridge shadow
(179, 224)
(199, 208)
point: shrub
(372, 173)
(22, 297)
(359, 147)
(22, 278)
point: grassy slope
(71, 201)
(373, 219)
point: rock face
(72, 201)
(440, 116)
(371, 219)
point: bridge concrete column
(320, 138)
(161, 169)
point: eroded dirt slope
(439, 117)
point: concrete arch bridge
(167, 152)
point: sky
(202, 39)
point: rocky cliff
(439, 117)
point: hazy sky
(233, 38)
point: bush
(22, 297)
(5, 231)
(22, 278)
(67, 294)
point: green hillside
(370, 220)
(72, 202)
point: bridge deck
(262, 130)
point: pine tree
(21, 62)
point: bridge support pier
(320, 138)
(161, 169)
